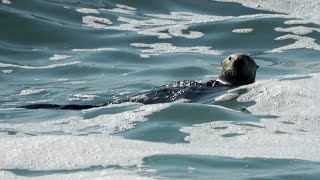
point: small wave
(93, 50)
(52, 66)
(26, 92)
(57, 57)
(88, 11)
(227, 97)
(245, 30)
(6, 2)
(7, 71)
(82, 97)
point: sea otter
(237, 69)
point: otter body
(237, 69)
(192, 91)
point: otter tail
(56, 106)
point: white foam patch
(303, 12)
(94, 50)
(52, 66)
(293, 97)
(87, 11)
(26, 92)
(294, 103)
(165, 48)
(6, 2)
(96, 22)
(244, 30)
(306, 9)
(82, 97)
(298, 30)
(57, 57)
(301, 42)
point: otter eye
(229, 58)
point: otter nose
(233, 57)
(236, 57)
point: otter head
(238, 69)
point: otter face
(238, 69)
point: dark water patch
(215, 167)
(281, 132)
(276, 71)
(156, 132)
(92, 113)
(235, 104)
(190, 71)
(163, 126)
(302, 130)
(9, 132)
(179, 73)
(248, 125)
(228, 135)
(20, 116)
(295, 78)
(53, 133)
(37, 173)
(287, 122)
(221, 127)
(290, 62)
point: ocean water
(92, 52)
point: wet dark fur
(238, 69)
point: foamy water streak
(88, 11)
(244, 30)
(94, 50)
(162, 25)
(26, 92)
(165, 48)
(57, 57)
